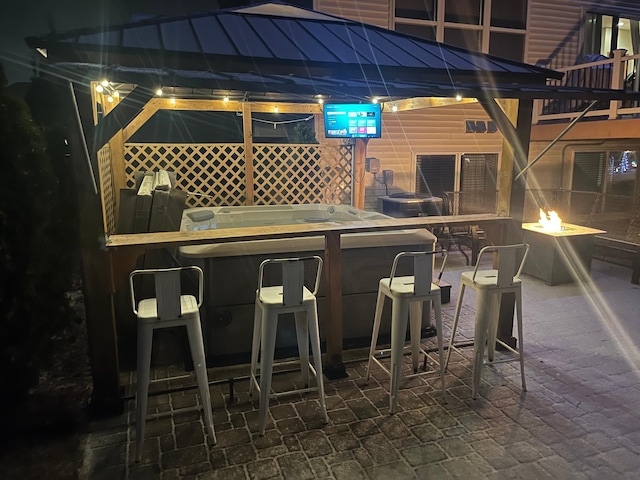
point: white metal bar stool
(489, 286)
(271, 301)
(169, 308)
(408, 293)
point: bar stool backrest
(168, 289)
(168, 294)
(511, 260)
(422, 270)
(292, 277)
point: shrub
(35, 272)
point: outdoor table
(123, 248)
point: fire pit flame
(550, 221)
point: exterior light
(172, 101)
(159, 92)
(394, 108)
(105, 83)
(225, 99)
(458, 97)
(99, 88)
(275, 109)
(116, 94)
(320, 101)
(110, 99)
(375, 100)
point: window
(621, 172)
(463, 23)
(463, 11)
(587, 171)
(469, 39)
(420, 9)
(507, 45)
(605, 33)
(509, 14)
(478, 172)
(478, 182)
(427, 32)
(435, 174)
(611, 172)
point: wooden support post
(505, 165)
(358, 172)
(247, 127)
(517, 136)
(96, 282)
(334, 368)
(116, 148)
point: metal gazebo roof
(278, 47)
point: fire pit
(560, 252)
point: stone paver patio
(579, 419)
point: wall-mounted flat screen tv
(352, 120)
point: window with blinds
(588, 169)
(478, 172)
(435, 174)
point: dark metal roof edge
(346, 88)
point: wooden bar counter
(125, 248)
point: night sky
(24, 18)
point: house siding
(373, 12)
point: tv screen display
(352, 120)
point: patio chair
(408, 293)
(292, 296)
(169, 308)
(490, 285)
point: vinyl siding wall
(373, 12)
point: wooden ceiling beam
(417, 103)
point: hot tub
(231, 271)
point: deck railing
(618, 72)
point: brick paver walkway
(579, 418)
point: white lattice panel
(106, 189)
(286, 174)
(213, 174)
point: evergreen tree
(34, 263)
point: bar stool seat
(292, 296)
(169, 308)
(490, 285)
(408, 293)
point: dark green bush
(35, 246)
